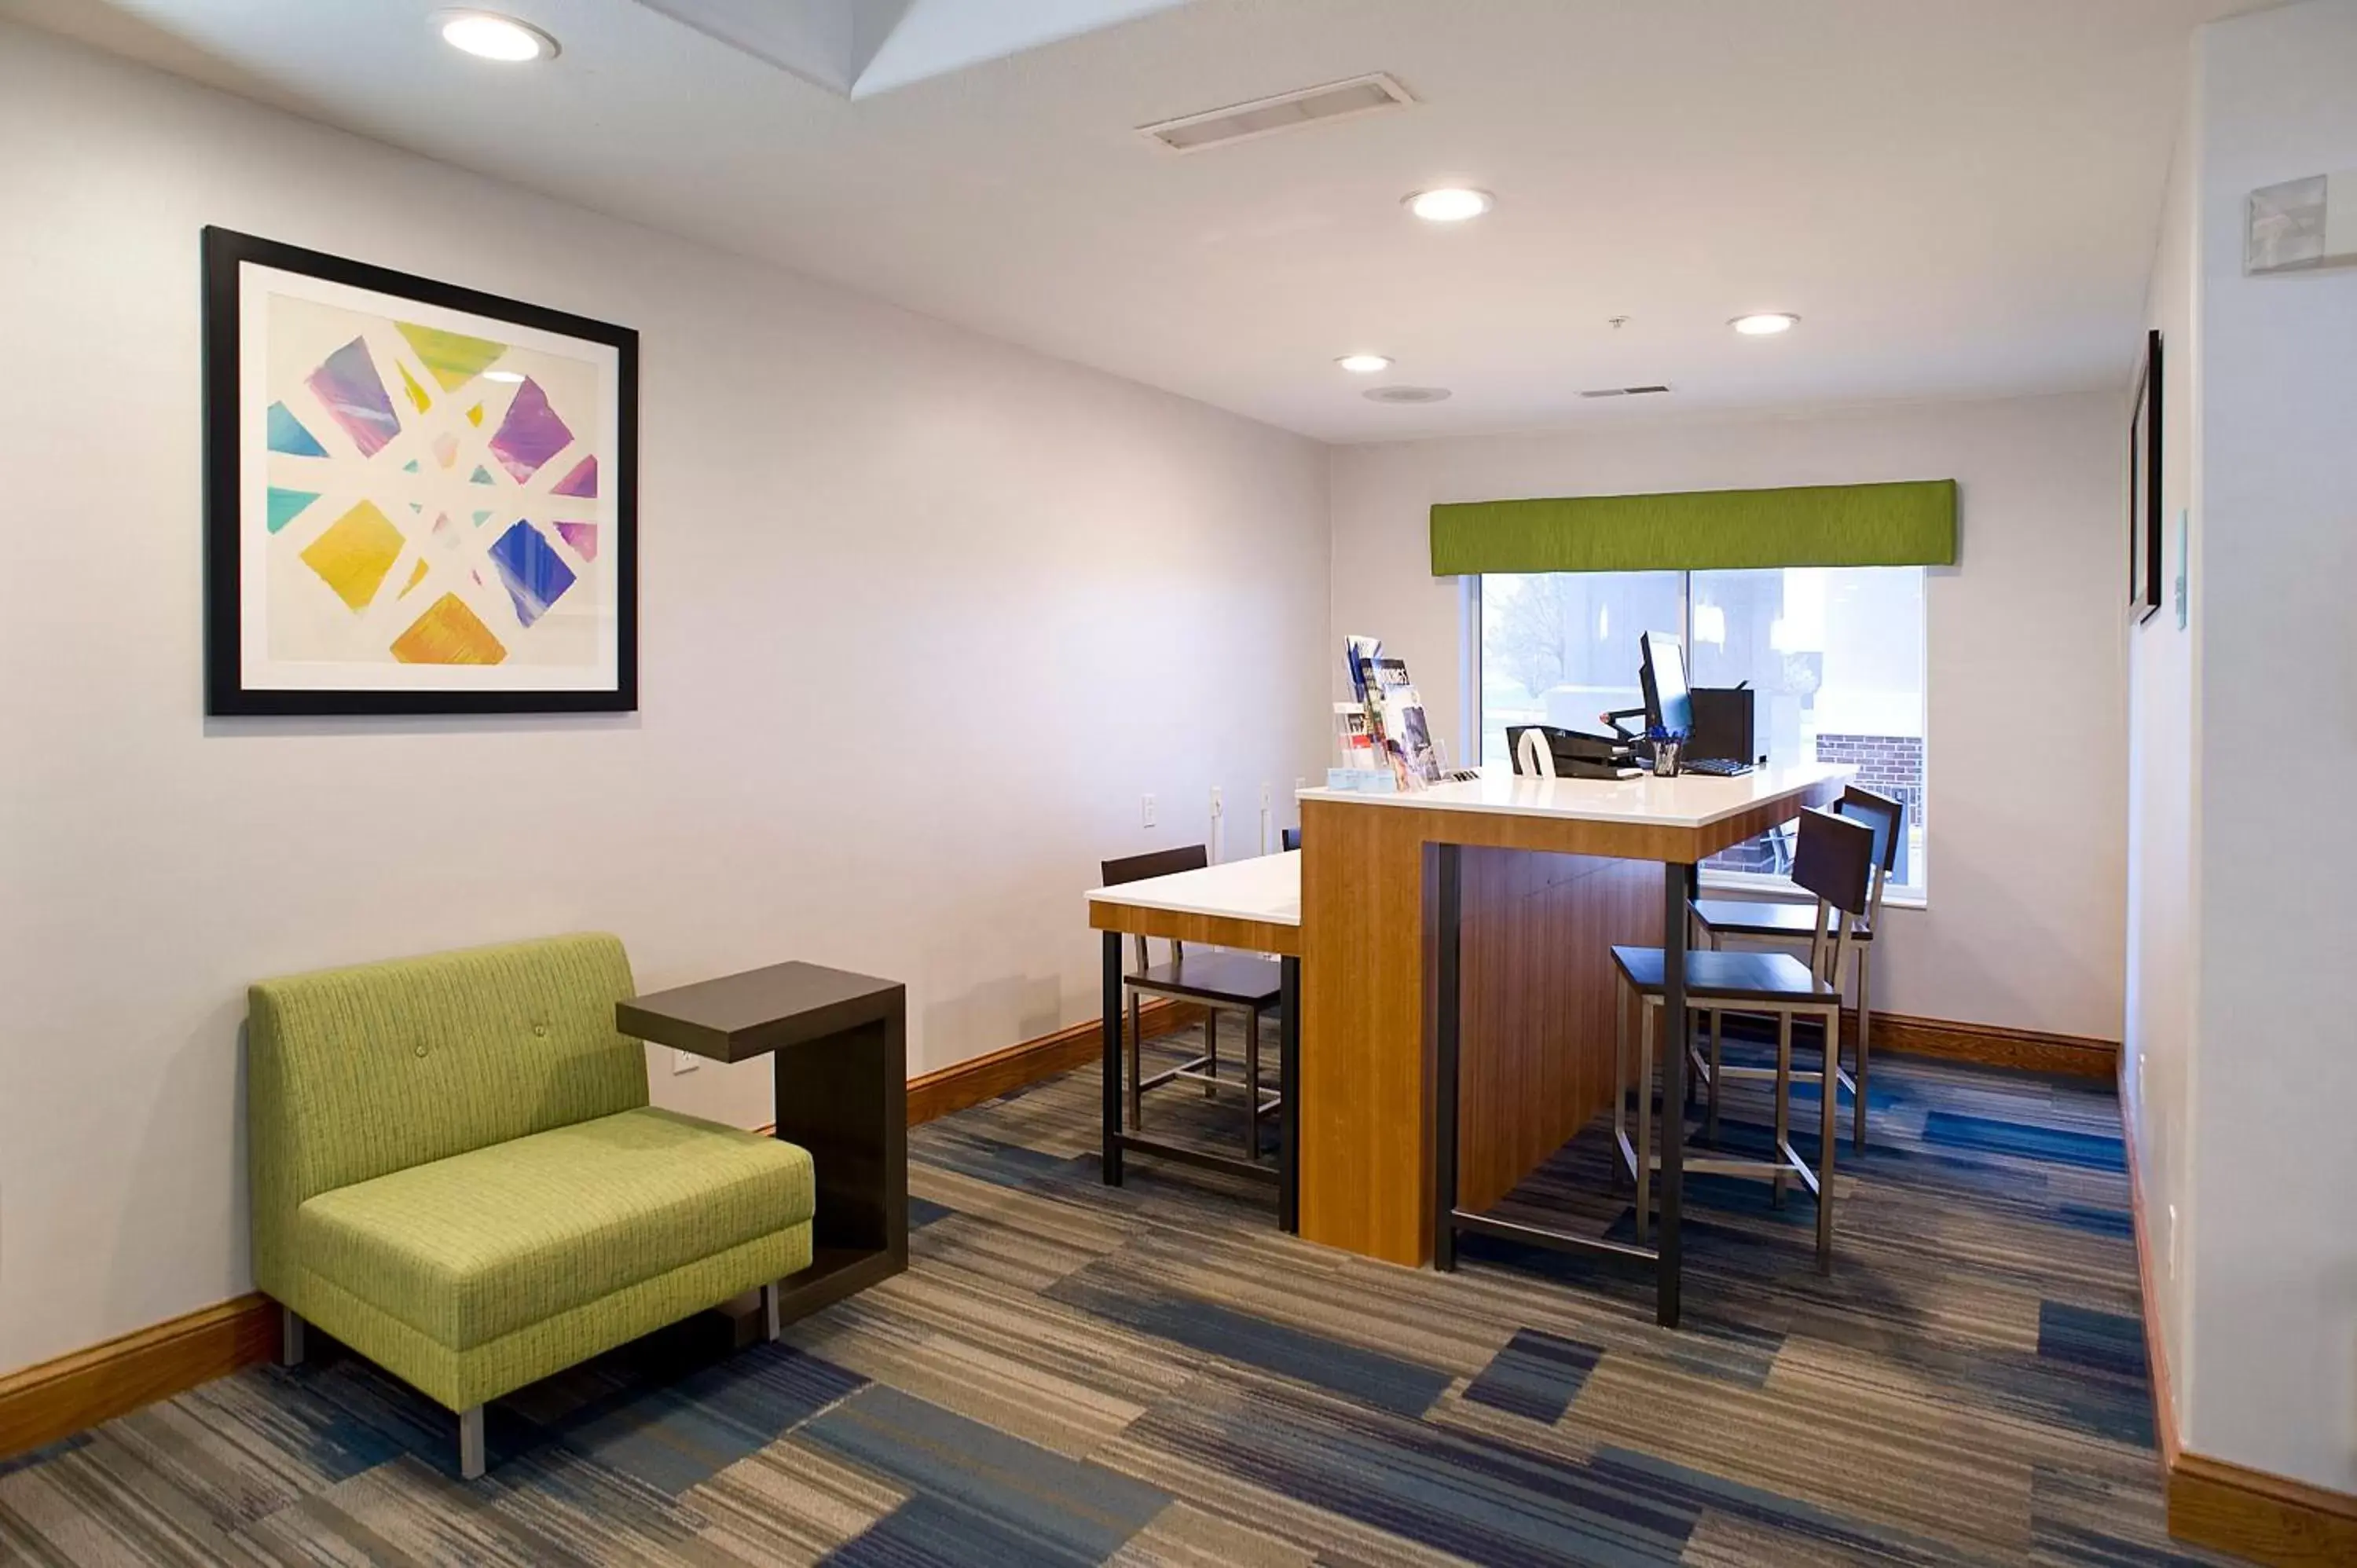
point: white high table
(1454, 1024)
(1255, 904)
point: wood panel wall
(1539, 995)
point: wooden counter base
(1544, 900)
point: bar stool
(1248, 983)
(1715, 919)
(1835, 861)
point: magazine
(1396, 728)
(1353, 734)
(1409, 738)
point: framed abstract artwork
(2144, 487)
(419, 499)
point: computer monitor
(1668, 704)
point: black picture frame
(2145, 530)
(225, 254)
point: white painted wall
(2026, 699)
(924, 617)
(2273, 1321)
(2157, 1055)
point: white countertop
(1689, 800)
(1267, 888)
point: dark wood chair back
(1290, 837)
(1835, 860)
(1885, 816)
(1155, 863)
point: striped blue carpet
(1076, 1375)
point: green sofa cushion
(375, 1069)
(460, 1379)
(467, 1249)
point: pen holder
(1665, 757)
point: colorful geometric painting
(415, 495)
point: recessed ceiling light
(489, 36)
(1450, 204)
(1365, 364)
(503, 375)
(1765, 323)
(1405, 394)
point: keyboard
(1716, 767)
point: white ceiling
(862, 47)
(1959, 196)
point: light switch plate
(2184, 563)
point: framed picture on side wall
(419, 499)
(2144, 487)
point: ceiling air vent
(1406, 394)
(1285, 112)
(1624, 392)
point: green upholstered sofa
(456, 1174)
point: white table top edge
(1689, 800)
(1264, 888)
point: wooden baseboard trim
(969, 1083)
(2211, 1502)
(2267, 1519)
(1990, 1045)
(57, 1399)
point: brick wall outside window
(1886, 764)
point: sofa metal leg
(290, 1338)
(471, 1443)
(772, 1325)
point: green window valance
(1909, 524)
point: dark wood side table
(839, 1048)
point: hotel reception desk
(1458, 994)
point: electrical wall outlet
(685, 1061)
(1146, 810)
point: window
(1561, 648)
(1835, 653)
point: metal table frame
(1119, 1140)
(1678, 887)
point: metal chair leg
(1783, 1100)
(1252, 1085)
(1134, 1052)
(1865, 1033)
(1620, 999)
(1826, 1140)
(1683, 1043)
(1710, 1120)
(1645, 1122)
(1210, 1051)
(1710, 1128)
(471, 1443)
(290, 1338)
